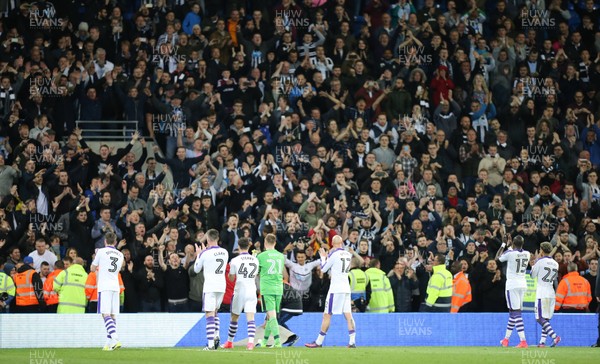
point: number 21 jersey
(213, 262)
(516, 267)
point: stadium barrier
(107, 130)
(188, 329)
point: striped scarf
(7, 100)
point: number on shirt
(243, 271)
(219, 269)
(274, 265)
(113, 264)
(522, 265)
(345, 268)
(550, 274)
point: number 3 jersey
(213, 262)
(338, 266)
(516, 268)
(245, 269)
(546, 271)
(109, 261)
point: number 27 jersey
(338, 265)
(516, 267)
(213, 262)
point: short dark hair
(518, 242)
(244, 243)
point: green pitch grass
(301, 355)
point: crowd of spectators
(408, 128)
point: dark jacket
(403, 289)
(148, 290)
(179, 169)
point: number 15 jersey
(516, 268)
(108, 261)
(338, 266)
(213, 262)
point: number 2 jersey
(545, 270)
(338, 266)
(245, 268)
(108, 261)
(213, 262)
(516, 267)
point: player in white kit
(107, 265)
(545, 270)
(245, 268)
(213, 261)
(338, 297)
(517, 261)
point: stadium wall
(188, 329)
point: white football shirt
(546, 272)
(213, 261)
(245, 269)
(108, 261)
(301, 275)
(516, 268)
(338, 264)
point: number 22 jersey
(546, 271)
(213, 262)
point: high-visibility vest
(91, 288)
(25, 291)
(6, 284)
(358, 281)
(461, 292)
(50, 296)
(70, 285)
(382, 297)
(529, 297)
(574, 292)
(439, 288)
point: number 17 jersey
(213, 262)
(516, 267)
(338, 266)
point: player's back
(109, 262)
(516, 267)
(245, 267)
(213, 261)
(271, 272)
(545, 270)
(338, 265)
